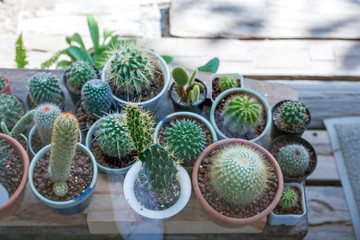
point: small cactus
(60, 189)
(292, 112)
(44, 87)
(78, 73)
(194, 95)
(10, 109)
(288, 198)
(2, 82)
(293, 159)
(239, 174)
(227, 82)
(96, 98)
(44, 118)
(22, 124)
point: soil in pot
(85, 121)
(216, 87)
(297, 209)
(81, 175)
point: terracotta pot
(6, 89)
(215, 216)
(16, 199)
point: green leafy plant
(227, 82)
(20, 56)
(44, 87)
(293, 159)
(78, 73)
(212, 66)
(292, 112)
(4, 156)
(288, 198)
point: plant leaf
(20, 57)
(63, 64)
(80, 54)
(167, 59)
(107, 33)
(211, 66)
(76, 38)
(54, 58)
(94, 31)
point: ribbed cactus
(227, 82)
(242, 113)
(194, 95)
(44, 118)
(288, 198)
(44, 87)
(64, 139)
(96, 98)
(113, 135)
(78, 73)
(10, 109)
(2, 82)
(158, 168)
(292, 112)
(22, 124)
(239, 174)
(293, 159)
(186, 139)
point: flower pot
(6, 89)
(298, 140)
(61, 105)
(232, 91)
(150, 104)
(277, 131)
(289, 219)
(180, 106)
(15, 200)
(185, 193)
(73, 206)
(214, 215)
(219, 75)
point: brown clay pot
(6, 89)
(212, 214)
(16, 199)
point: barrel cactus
(227, 82)
(239, 174)
(10, 109)
(293, 159)
(292, 112)
(78, 73)
(44, 87)
(96, 98)
(288, 198)
(44, 118)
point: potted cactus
(4, 85)
(223, 81)
(290, 118)
(11, 109)
(63, 174)
(296, 157)
(136, 75)
(187, 92)
(45, 88)
(240, 113)
(76, 75)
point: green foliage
(288, 198)
(293, 159)
(239, 174)
(20, 56)
(2, 82)
(43, 88)
(167, 59)
(211, 66)
(22, 124)
(10, 109)
(78, 73)
(44, 118)
(227, 82)
(4, 156)
(292, 112)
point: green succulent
(288, 198)
(2, 82)
(44, 118)
(293, 159)
(292, 112)
(78, 73)
(45, 88)
(227, 82)
(21, 125)
(10, 109)
(4, 156)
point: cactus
(239, 174)
(60, 189)
(2, 82)
(194, 95)
(22, 124)
(288, 198)
(186, 139)
(227, 82)
(10, 108)
(44, 118)
(78, 73)
(292, 112)
(158, 168)
(96, 98)
(4, 156)
(44, 87)
(242, 113)
(293, 159)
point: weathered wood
(331, 232)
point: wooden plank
(331, 232)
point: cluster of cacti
(227, 82)
(241, 113)
(96, 98)
(10, 108)
(292, 112)
(78, 73)
(191, 93)
(239, 174)
(44, 118)
(186, 139)
(293, 159)
(65, 135)
(43, 88)
(288, 198)
(4, 156)
(2, 82)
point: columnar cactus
(227, 82)
(10, 108)
(186, 139)
(292, 112)
(288, 198)
(96, 98)
(2, 82)
(22, 124)
(44, 118)
(239, 174)
(78, 73)
(293, 159)
(44, 87)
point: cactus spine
(227, 82)
(288, 198)
(22, 124)
(78, 73)
(44, 87)
(292, 112)
(293, 159)
(10, 108)
(44, 118)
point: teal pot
(220, 75)
(152, 103)
(250, 93)
(73, 206)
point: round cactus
(186, 139)
(292, 112)
(227, 82)
(239, 174)
(96, 98)
(78, 73)
(2, 82)
(44, 87)
(293, 159)
(288, 198)
(44, 118)
(113, 135)
(10, 109)
(60, 189)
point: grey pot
(219, 75)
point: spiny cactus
(242, 113)
(78, 73)
(227, 82)
(64, 139)
(293, 159)
(292, 112)
(194, 95)
(4, 156)
(186, 139)
(22, 124)
(2, 82)
(44, 118)
(96, 98)
(158, 168)
(44, 87)
(10, 109)
(239, 174)
(288, 198)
